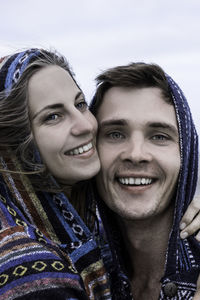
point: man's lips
(80, 149)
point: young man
(148, 148)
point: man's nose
(81, 124)
(137, 150)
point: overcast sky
(97, 34)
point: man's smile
(135, 180)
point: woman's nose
(82, 124)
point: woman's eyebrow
(56, 105)
(52, 106)
(80, 93)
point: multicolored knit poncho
(46, 250)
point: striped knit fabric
(46, 251)
(183, 256)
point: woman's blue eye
(51, 117)
(82, 105)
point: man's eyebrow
(113, 122)
(56, 105)
(163, 125)
(123, 122)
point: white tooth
(126, 180)
(80, 150)
(144, 181)
(131, 181)
(71, 153)
(121, 180)
(137, 181)
(76, 151)
(85, 148)
(90, 146)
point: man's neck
(146, 243)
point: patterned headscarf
(12, 67)
(186, 187)
(188, 148)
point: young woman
(47, 147)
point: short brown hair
(134, 75)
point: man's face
(138, 145)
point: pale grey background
(97, 34)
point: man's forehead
(144, 105)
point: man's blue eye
(159, 137)
(115, 135)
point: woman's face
(63, 128)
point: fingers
(191, 211)
(190, 222)
(192, 228)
